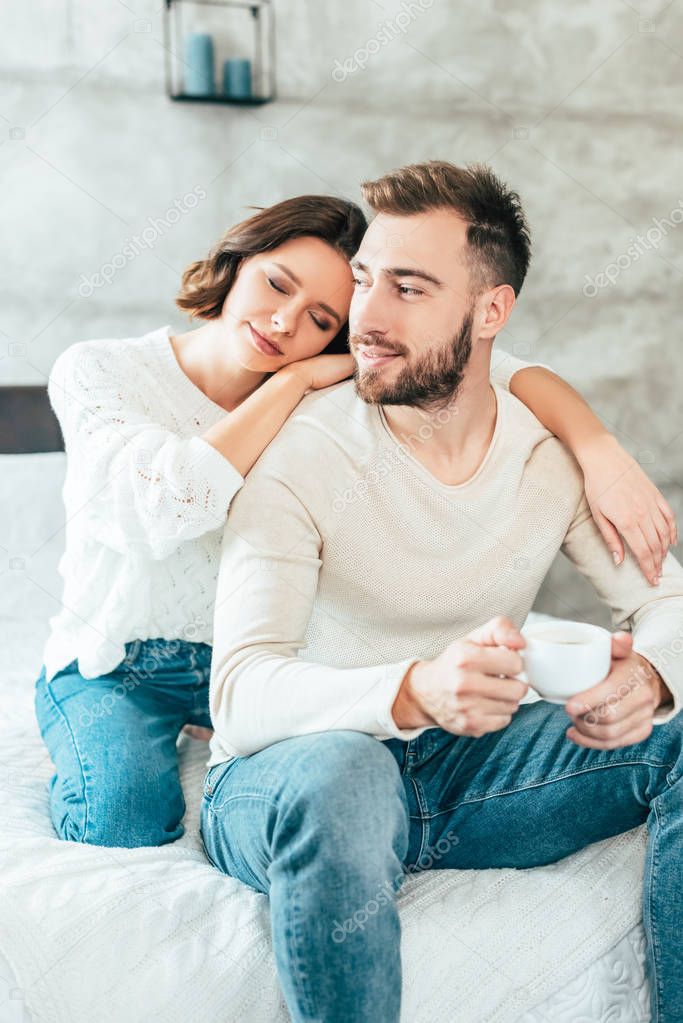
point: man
(376, 568)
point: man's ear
(495, 309)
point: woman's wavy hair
(339, 222)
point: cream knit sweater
(344, 560)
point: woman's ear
(498, 303)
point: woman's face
(287, 304)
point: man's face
(411, 314)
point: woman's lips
(262, 344)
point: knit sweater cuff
(388, 691)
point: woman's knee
(117, 811)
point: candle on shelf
(237, 78)
(199, 67)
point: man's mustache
(375, 339)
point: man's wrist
(406, 710)
(663, 694)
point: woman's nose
(284, 320)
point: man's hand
(618, 711)
(462, 690)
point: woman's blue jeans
(328, 823)
(112, 740)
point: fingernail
(616, 557)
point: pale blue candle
(237, 78)
(199, 66)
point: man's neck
(452, 443)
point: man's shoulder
(330, 435)
(332, 405)
(332, 418)
(547, 458)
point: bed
(120, 936)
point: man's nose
(368, 313)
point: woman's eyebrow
(292, 276)
(290, 273)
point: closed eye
(318, 323)
(275, 286)
(322, 324)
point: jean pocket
(210, 780)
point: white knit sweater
(146, 500)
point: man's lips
(263, 345)
(373, 355)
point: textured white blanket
(121, 936)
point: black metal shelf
(263, 53)
(250, 101)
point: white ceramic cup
(562, 658)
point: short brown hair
(498, 236)
(339, 222)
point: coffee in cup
(562, 658)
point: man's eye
(360, 283)
(276, 286)
(405, 290)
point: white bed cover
(119, 936)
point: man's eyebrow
(323, 305)
(401, 271)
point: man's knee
(350, 791)
(666, 741)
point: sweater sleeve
(261, 691)
(654, 615)
(504, 366)
(146, 488)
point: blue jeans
(327, 824)
(112, 740)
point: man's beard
(431, 383)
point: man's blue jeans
(112, 740)
(326, 823)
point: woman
(159, 433)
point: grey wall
(578, 106)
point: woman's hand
(624, 500)
(198, 732)
(321, 370)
